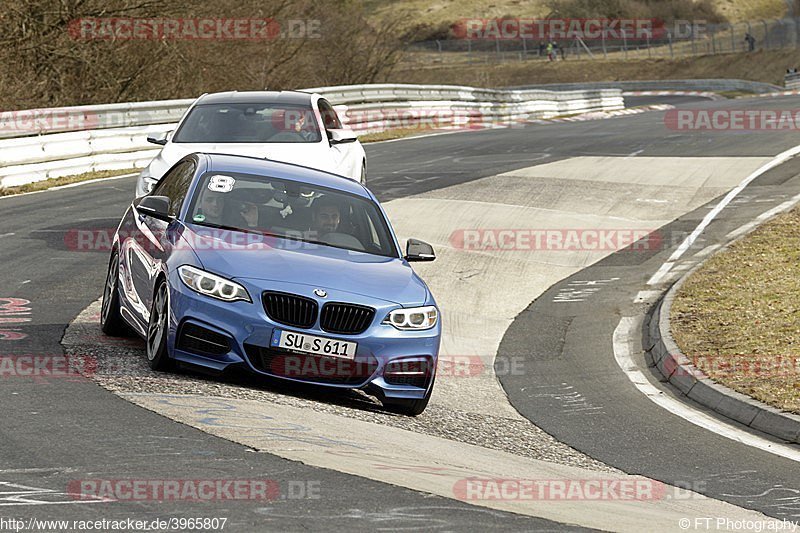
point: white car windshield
(249, 123)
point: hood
(308, 154)
(261, 260)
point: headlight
(211, 285)
(413, 318)
(149, 184)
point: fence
(687, 40)
(114, 136)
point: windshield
(291, 210)
(249, 123)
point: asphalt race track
(552, 312)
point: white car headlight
(212, 285)
(413, 318)
(149, 184)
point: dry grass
(66, 180)
(765, 66)
(444, 12)
(743, 10)
(738, 317)
(398, 133)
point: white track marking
(70, 185)
(777, 160)
(624, 337)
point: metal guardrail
(89, 117)
(791, 81)
(715, 85)
(47, 143)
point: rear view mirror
(155, 206)
(341, 136)
(159, 138)
(417, 250)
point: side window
(329, 116)
(175, 185)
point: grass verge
(398, 133)
(66, 180)
(738, 317)
(764, 65)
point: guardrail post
(625, 43)
(766, 34)
(603, 37)
(671, 51)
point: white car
(287, 126)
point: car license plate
(301, 342)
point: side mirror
(155, 206)
(160, 139)
(341, 136)
(417, 250)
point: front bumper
(249, 330)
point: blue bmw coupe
(284, 270)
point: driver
(326, 216)
(299, 125)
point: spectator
(550, 51)
(555, 51)
(751, 42)
(542, 48)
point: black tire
(111, 321)
(410, 407)
(158, 330)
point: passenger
(211, 207)
(249, 212)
